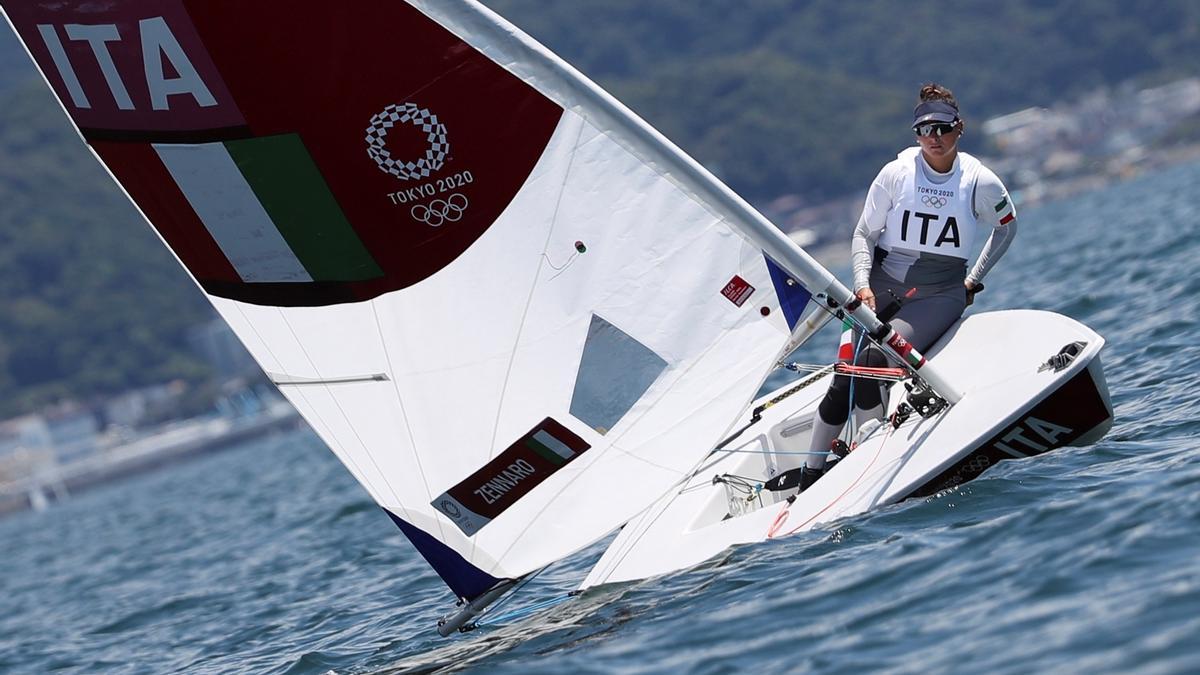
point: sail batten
(281, 380)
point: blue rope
(850, 407)
(509, 596)
(524, 611)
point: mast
(518, 53)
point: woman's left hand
(972, 289)
(867, 296)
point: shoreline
(187, 440)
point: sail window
(614, 372)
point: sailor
(917, 228)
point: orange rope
(847, 369)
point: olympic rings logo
(450, 509)
(978, 463)
(931, 200)
(441, 211)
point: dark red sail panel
(130, 66)
(417, 141)
(152, 188)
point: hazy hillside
(812, 96)
(90, 301)
(14, 64)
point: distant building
(27, 432)
(1079, 136)
(66, 432)
(128, 409)
(217, 345)
(1030, 131)
(72, 432)
(23, 449)
(10, 443)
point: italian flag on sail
(269, 210)
(252, 158)
(549, 447)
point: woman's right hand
(867, 296)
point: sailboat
(519, 315)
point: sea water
(270, 559)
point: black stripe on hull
(1076, 406)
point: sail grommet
(580, 247)
(765, 311)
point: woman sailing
(919, 223)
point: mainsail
(514, 311)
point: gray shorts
(925, 316)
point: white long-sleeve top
(992, 206)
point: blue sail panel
(792, 296)
(466, 580)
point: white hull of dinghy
(1012, 407)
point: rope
(750, 487)
(523, 612)
(507, 596)
(871, 373)
(841, 313)
(739, 481)
(489, 616)
(756, 415)
(878, 452)
(806, 367)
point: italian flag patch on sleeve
(1004, 211)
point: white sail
(515, 312)
(482, 352)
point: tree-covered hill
(90, 300)
(14, 64)
(812, 96)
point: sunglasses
(938, 130)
